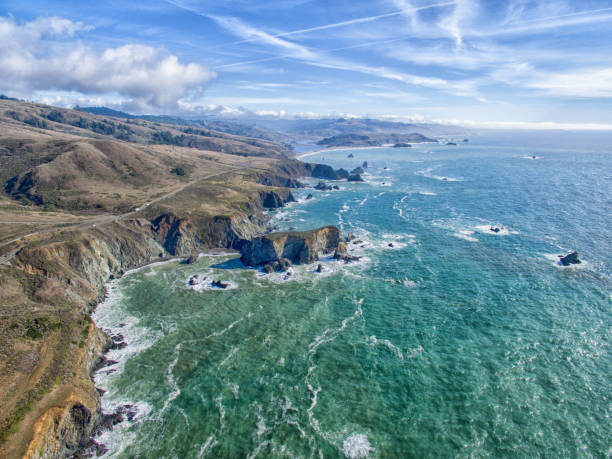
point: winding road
(5, 258)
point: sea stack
(569, 259)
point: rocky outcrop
(64, 277)
(342, 254)
(343, 173)
(569, 259)
(281, 265)
(354, 178)
(67, 427)
(323, 171)
(322, 186)
(357, 170)
(297, 247)
(273, 199)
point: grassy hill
(85, 197)
(67, 159)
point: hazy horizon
(516, 64)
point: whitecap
(209, 444)
(466, 235)
(356, 446)
(373, 341)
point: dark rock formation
(365, 165)
(309, 196)
(451, 143)
(319, 268)
(219, 284)
(324, 171)
(341, 253)
(357, 170)
(276, 199)
(297, 247)
(495, 229)
(569, 259)
(355, 178)
(350, 155)
(323, 186)
(402, 145)
(343, 173)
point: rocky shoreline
(81, 264)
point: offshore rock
(219, 284)
(343, 173)
(324, 171)
(569, 259)
(298, 247)
(322, 186)
(357, 170)
(341, 253)
(355, 178)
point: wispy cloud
(238, 27)
(324, 60)
(356, 21)
(589, 83)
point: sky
(489, 63)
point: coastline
(316, 152)
(323, 150)
(126, 409)
(66, 415)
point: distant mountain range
(305, 134)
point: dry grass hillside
(84, 198)
(18, 114)
(57, 165)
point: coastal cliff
(81, 204)
(298, 247)
(55, 407)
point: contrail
(579, 13)
(349, 22)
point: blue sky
(514, 63)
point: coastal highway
(5, 258)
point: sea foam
(356, 446)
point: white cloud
(33, 58)
(591, 83)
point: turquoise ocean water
(452, 342)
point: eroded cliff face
(66, 426)
(298, 247)
(62, 279)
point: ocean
(445, 339)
